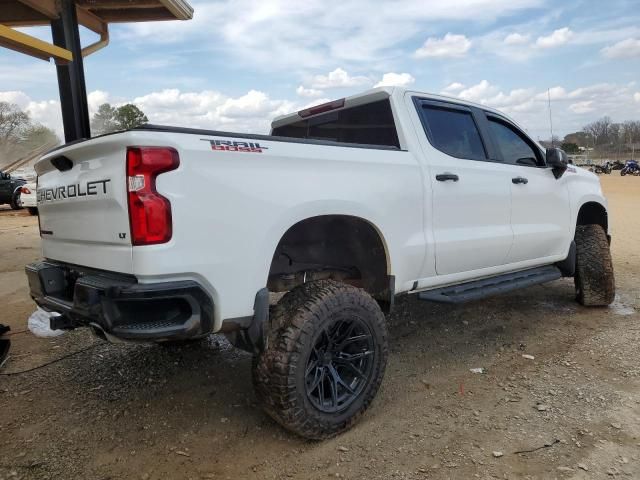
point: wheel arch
(339, 246)
(593, 212)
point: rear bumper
(28, 201)
(119, 307)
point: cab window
(514, 147)
(453, 131)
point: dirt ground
(148, 412)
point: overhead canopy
(64, 18)
(93, 13)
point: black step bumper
(119, 307)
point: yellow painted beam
(90, 21)
(23, 43)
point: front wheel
(324, 358)
(623, 172)
(33, 211)
(594, 279)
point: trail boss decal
(231, 146)
(96, 187)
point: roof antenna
(550, 121)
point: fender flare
(320, 209)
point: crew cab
(169, 234)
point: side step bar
(475, 290)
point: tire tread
(594, 279)
(292, 324)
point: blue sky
(239, 63)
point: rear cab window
(368, 124)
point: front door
(540, 213)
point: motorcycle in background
(630, 168)
(605, 168)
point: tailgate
(82, 201)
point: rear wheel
(15, 201)
(594, 278)
(324, 359)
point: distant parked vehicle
(604, 168)
(28, 198)
(617, 165)
(10, 190)
(630, 168)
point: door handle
(520, 180)
(444, 177)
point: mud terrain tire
(15, 201)
(594, 279)
(324, 359)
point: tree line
(111, 119)
(605, 137)
(19, 134)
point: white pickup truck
(169, 234)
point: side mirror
(557, 159)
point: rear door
(540, 212)
(471, 195)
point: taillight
(25, 190)
(149, 212)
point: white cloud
(592, 91)
(516, 39)
(315, 33)
(251, 112)
(253, 104)
(479, 92)
(95, 99)
(582, 107)
(571, 109)
(557, 38)
(556, 93)
(393, 79)
(338, 78)
(448, 46)
(628, 48)
(15, 97)
(308, 92)
(453, 88)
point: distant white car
(28, 198)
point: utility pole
(550, 120)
